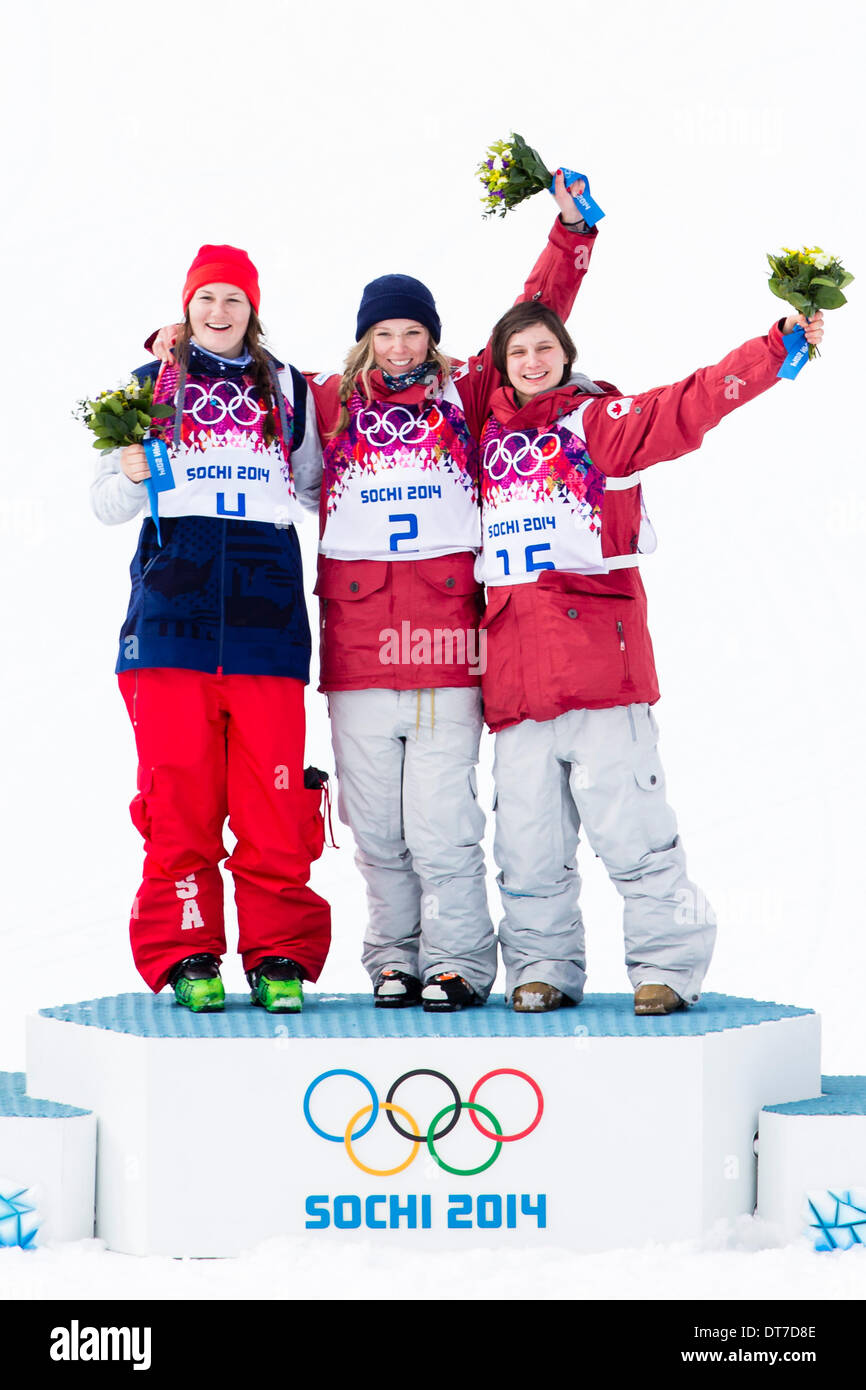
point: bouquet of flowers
(123, 416)
(808, 279)
(513, 171)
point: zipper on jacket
(135, 702)
(622, 647)
(222, 599)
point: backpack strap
(299, 408)
(299, 397)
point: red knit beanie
(223, 265)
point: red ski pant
(212, 746)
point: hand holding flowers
(513, 171)
(123, 417)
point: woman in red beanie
(401, 662)
(215, 651)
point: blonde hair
(360, 361)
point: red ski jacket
(360, 599)
(567, 640)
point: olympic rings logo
(512, 449)
(395, 424)
(413, 1134)
(210, 407)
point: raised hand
(165, 341)
(564, 197)
(814, 326)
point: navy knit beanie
(397, 297)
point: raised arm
(626, 433)
(553, 281)
(557, 274)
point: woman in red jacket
(570, 676)
(400, 658)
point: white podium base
(219, 1131)
(47, 1168)
(812, 1165)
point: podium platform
(812, 1165)
(587, 1128)
(47, 1167)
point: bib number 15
(529, 556)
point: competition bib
(542, 501)
(221, 464)
(401, 481)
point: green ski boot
(197, 984)
(275, 984)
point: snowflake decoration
(837, 1220)
(15, 1228)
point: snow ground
(708, 142)
(735, 1262)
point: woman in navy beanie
(401, 655)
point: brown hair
(360, 361)
(527, 315)
(259, 369)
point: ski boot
(395, 990)
(539, 997)
(657, 999)
(197, 984)
(445, 993)
(275, 984)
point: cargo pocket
(655, 822)
(469, 817)
(350, 616)
(138, 807)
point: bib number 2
(397, 536)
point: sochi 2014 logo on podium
(455, 1139)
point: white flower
(823, 260)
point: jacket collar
(204, 363)
(380, 392)
(550, 406)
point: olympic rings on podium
(414, 1134)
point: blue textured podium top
(354, 1016)
(15, 1104)
(842, 1095)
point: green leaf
(847, 277)
(112, 404)
(823, 280)
(829, 297)
(111, 427)
(103, 445)
(161, 412)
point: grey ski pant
(599, 769)
(406, 788)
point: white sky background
(339, 143)
(336, 148)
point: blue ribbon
(589, 208)
(798, 353)
(161, 477)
